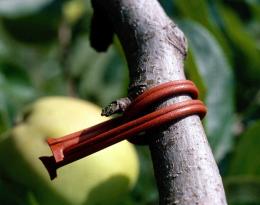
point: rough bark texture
(155, 48)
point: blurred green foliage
(44, 50)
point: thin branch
(155, 48)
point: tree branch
(155, 48)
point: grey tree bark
(155, 48)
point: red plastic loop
(134, 121)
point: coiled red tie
(134, 121)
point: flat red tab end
(50, 165)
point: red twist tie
(135, 120)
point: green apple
(101, 178)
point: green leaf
(194, 74)
(39, 27)
(243, 181)
(246, 159)
(74, 10)
(5, 118)
(102, 77)
(242, 190)
(247, 53)
(254, 29)
(14, 193)
(17, 85)
(11, 192)
(199, 11)
(16, 90)
(31, 199)
(105, 78)
(15, 8)
(217, 76)
(255, 7)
